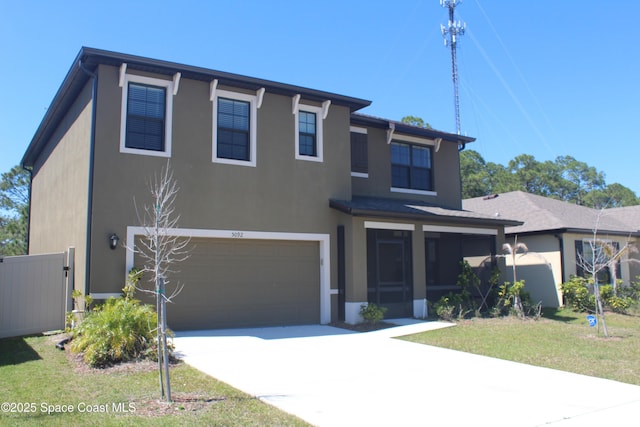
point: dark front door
(390, 275)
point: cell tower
(450, 34)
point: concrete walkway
(333, 377)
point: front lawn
(36, 378)
(561, 339)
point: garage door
(245, 283)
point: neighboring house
(630, 216)
(299, 209)
(557, 234)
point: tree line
(564, 178)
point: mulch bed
(181, 402)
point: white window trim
(318, 111)
(389, 225)
(168, 119)
(412, 191)
(463, 230)
(253, 127)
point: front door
(390, 275)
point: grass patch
(561, 339)
(34, 371)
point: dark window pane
(420, 178)
(411, 167)
(145, 117)
(307, 134)
(359, 153)
(399, 176)
(233, 129)
(421, 157)
(400, 154)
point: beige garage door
(245, 283)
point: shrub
(578, 294)
(454, 306)
(120, 330)
(372, 313)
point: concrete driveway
(334, 377)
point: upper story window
(359, 153)
(146, 116)
(411, 168)
(234, 128)
(308, 132)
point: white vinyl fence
(34, 293)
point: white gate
(34, 293)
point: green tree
(582, 179)
(14, 211)
(612, 196)
(415, 121)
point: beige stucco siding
(279, 194)
(540, 268)
(60, 187)
(570, 254)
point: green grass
(32, 370)
(561, 339)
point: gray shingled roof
(414, 209)
(629, 215)
(544, 214)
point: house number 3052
(237, 234)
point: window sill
(234, 162)
(359, 175)
(412, 191)
(143, 152)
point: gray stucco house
(557, 234)
(300, 209)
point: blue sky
(543, 77)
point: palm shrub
(121, 329)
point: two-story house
(299, 209)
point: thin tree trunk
(165, 351)
(599, 308)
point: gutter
(92, 144)
(28, 236)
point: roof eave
(76, 78)
(375, 213)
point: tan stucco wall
(540, 268)
(626, 267)
(60, 186)
(446, 170)
(280, 194)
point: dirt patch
(182, 403)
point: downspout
(561, 247)
(30, 170)
(92, 143)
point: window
(234, 128)
(592, 256)
(307, 134)
(146, 116)
(359, 153)
(308, 123)
(411, 168)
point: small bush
(120, 330)
(578, 294)
(372, 313)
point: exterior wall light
(113, 241)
